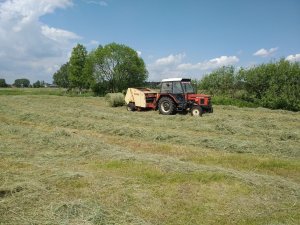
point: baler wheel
(131, 107)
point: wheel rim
(196, 112)
(165, 106)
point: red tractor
(176, 94)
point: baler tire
(196, 111)
(166, 106)
(131, 107)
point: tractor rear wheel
(166, 106)
(196, 111)
(131, 107)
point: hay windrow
(70, 160)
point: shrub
(115, 99)
(223, 100)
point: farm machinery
(176, 94)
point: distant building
(50, 85)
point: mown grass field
(71, 160)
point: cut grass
(32, 91)
(77, 161)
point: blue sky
(175, 38)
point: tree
(3, 83)
(117, 67)
(61, 77)
(257, 79)
(283, 90)
(22, 82)
(220, 81)
(37, 84)
(89, 68)
(76, 66)
(274, 85)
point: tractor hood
(198, 96)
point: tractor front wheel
(196, 111)
(166, 106)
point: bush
(115, 99)
(223, 100)
(99, 89)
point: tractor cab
(177, 89)
(176, 86)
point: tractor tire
(131, 107)
(196, 111)
(166, 106)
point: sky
(175, 38)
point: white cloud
(264, 52)
(210, 64)
(165, 67)
(139, 53)
(101, 3)
(30, 48)
(170, 60)
(94, 42)
(293, 58)
(58, 34)
(172, 66)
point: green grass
(43, 91)
(32, 91)
(76, 160)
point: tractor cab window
(187, 87)
(166, 87)
(177, 89)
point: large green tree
(116, 67)
(89, 67)
(273, 85)
(276, 84)
(22, 82)
(76, 65)
(220, 81)
(61, 77)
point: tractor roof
(175, 79)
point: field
(75, 160)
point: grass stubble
(70, 160)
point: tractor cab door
(178, 94)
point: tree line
(22, 83)
(274, 85)
(115, 67)
(109, 68)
